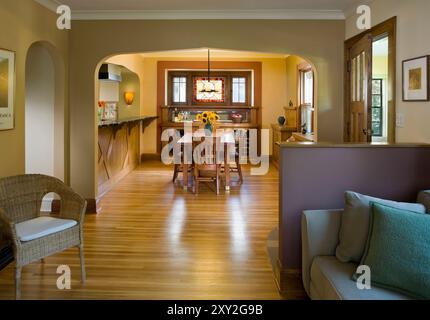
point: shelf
(208, 107)
(219, 125)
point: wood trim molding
(150, 157)
(288, 280)
(261, 14)
(386, 28)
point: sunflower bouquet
(208, 118)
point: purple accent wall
(315, 177)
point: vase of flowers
(209, 119)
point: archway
(44, 111)
(281, 88)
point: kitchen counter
(126, 120)
(119, 149)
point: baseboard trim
(150, 157)
(93, 206)
(288, 280)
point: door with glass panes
(360, 91)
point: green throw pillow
(398, 250)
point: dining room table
(189, 140)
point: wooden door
(360, 91)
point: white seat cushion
(41, 227)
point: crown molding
(285, 14)
(50, 4)
(208, 15)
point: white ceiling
(207, 9)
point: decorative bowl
(236, 118)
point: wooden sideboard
(280, 134)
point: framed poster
(7, 90)
(416, 84)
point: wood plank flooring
(153, 240)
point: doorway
(370, 89)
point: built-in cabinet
(233, 92)
(280, 134)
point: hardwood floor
(153, 240)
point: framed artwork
(416, 86)
(7, 89)
(110, 111)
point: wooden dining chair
(179, 167)
(237, 168)
(208, 169)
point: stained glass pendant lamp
(208, 86)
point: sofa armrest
(320, 237)
(424, 199)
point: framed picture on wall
(416, 85)
(7, 89)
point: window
(212, 91)
(238, 90)
(377, 114)
(225, 88)
(179, 89)
(306, 98)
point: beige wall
(319, 41)
(39, 112)
(273, 88)
(413, 25)
(23, 23)
(134, 63)
(130, 83)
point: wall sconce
(129, 98)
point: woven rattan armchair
(20, 202)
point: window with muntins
(179, 89)
(306, 99)
(239, 90)
(377, 114)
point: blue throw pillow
(398, 250)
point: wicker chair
(20, 202)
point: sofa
(324, 276)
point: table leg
(226, 168)
(185, 168)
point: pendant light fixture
(209, 86)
